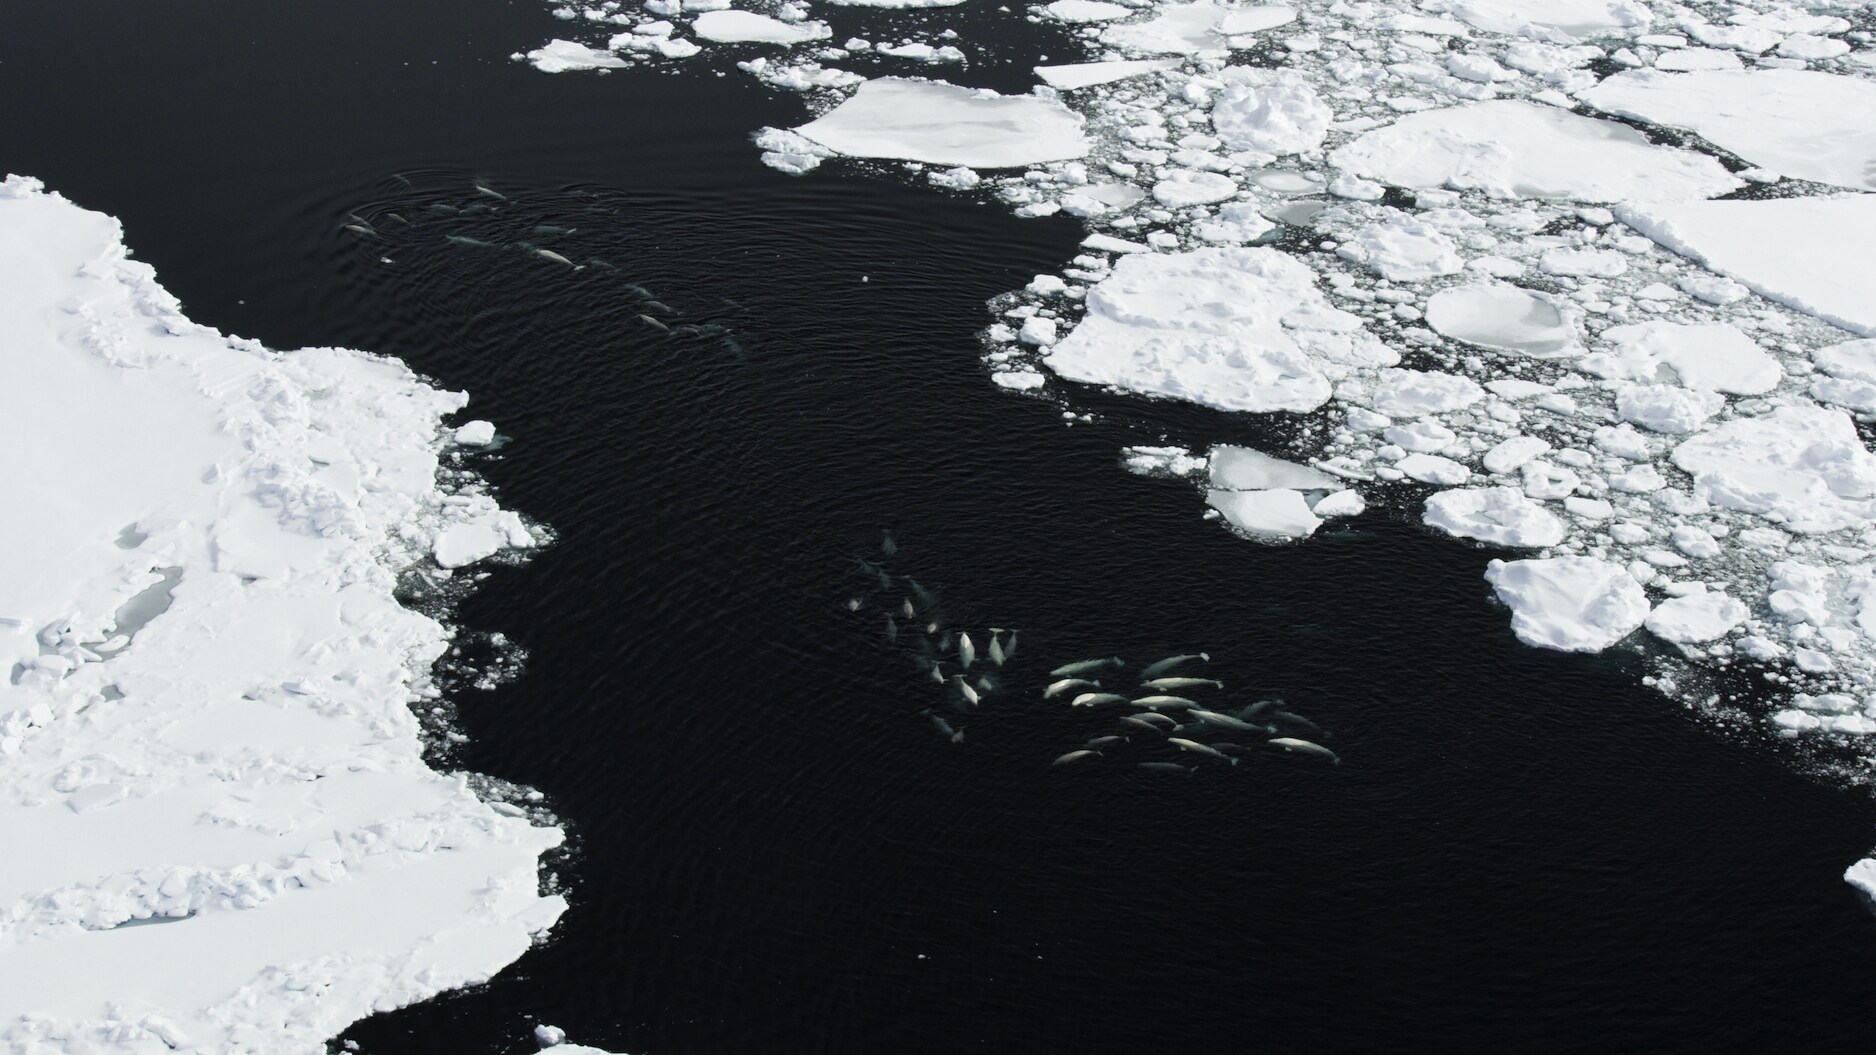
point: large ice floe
(207, 722)
(1473, 247)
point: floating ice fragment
(1088, 74)
(1686, 59)
(1176, 29)
(1280, 513)
(1667, 408)
(730, 27)
(1234, 328)
(1499, 515)
(1340, 504)
(942, 124)
(561, 56)
(1503, 318)
(1174, 461)
(1580, 18)
(1802, 123)
(1271, 112)
(1572, 604)
(1696, 618)
(1852, 360)
(1510, 454)
(1403, 249)
(1086, 11)
(1509, 149)
(1803, 467)
(1244, 469)
(1433, 469)
(476, 434)
(1182, 187)
(1715, 356)
(1807, 253)
(1417, 393)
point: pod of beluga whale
(1174, 722)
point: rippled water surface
(772, 850)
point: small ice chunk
(1597, 263)
(1696, 618)
(1715, 356)
(1085, 11)
(1088, 74)
(1419, 393)
(1499, 515)
(1156, 461)
(1803, 467)
(1514, 149)
(1433, 469)
(1180, 188)
(1503, 318)
(1578, 18)
(732, 27)
(476, 433)
(1667, 408)
(461, 544)
(562, 56)
(1280, 513)
(1403, 249)
(1037, 331)
(1509, 454)
(942, 124)
(1341, 504)
(1269, 112)
(1244, 469)
(1422, 437)
(1851, 360)
(1572, 604)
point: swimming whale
(886, 544)
(1304, 747)
(1085, 666)
(1154, 670)
(1180, 683)
(480, 189)
(1103, 741)
(1157, 702)
(996, 650)
(1096, 699)
(1228, 722)
(366, 231)
(1075, 756)
(1058, 687)
(1199, 749)
(1134, 719)
(1167, 767)
(892, 629)
(1300, 720)
(549, 254)
(967, 652)
(964, 689)
(907, 608)
(655, 324)
(945, 729)
(1152, 718)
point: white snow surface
(1230, 327)
(731, 27)
(1088, 74)
(1571, 604)
(1513, 149)
(1801, 467)
(1279, 513)
(1807, 253)
(1499, 515)
(1582, 18)
(942, 124)
(1714, 356)
(245, 766)
(1802, 123)
(1503, 318)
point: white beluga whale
(1157, 702)
(1304, 747)
(1197, 748)
(1154, 670)
(1180, 683)
(1097, 699)
(967, 652)
(1056, 688)
(1085, 666)
(1075, 756)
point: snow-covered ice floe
(1474, 248)
(207, 722)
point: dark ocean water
(771, 848)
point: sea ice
(1580, 18)
(1807, 253)
(1244, 469)
(1229, 327)
(1503, 318)
(1086, 11)
(1179, 188)
(1174, 29)
(1279, 513)
(1514, 149)
(1418, 393)
(561, 56)
(1500, 515)
(1715, 356)
(730, 27)
(942, 124)
(1403, 249)
(1088, 74)
(1696, 618)
(247, 766)
(1802, 467)
(1274, 113)
(1801, 123)
(1572, 604)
